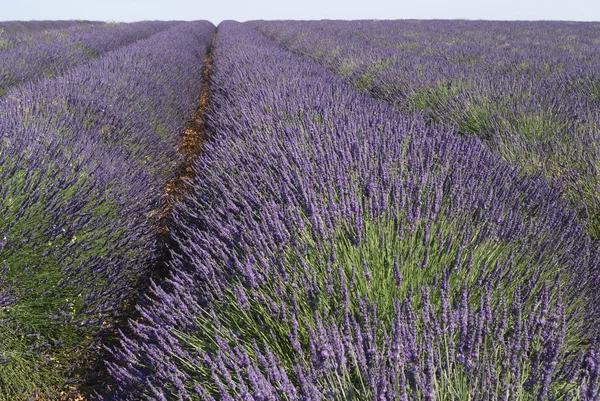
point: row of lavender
(13, 33)
(531, 90)
(27, 27)
(52, 53)
(333, 248)
(83, 160)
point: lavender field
(300, 210)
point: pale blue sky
(216, 10)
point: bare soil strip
(191, 141)
(176, 188)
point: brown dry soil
(191, 144)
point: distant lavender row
(55, 52)
(397, 60)
(333, 248)
(10, 40)
(24, 27)
(14, 33)
(531, 90)
(83, 160)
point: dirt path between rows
(174, 190)
(192, 138)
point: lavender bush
(530, 89)
(83, 159)
(335, 248)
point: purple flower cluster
(335, 248)
(84, 158)
(54, 52)
(530, 89)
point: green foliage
(87, 50)
(339, 266)
(39, 330)
(433, 97)
(365, 80)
